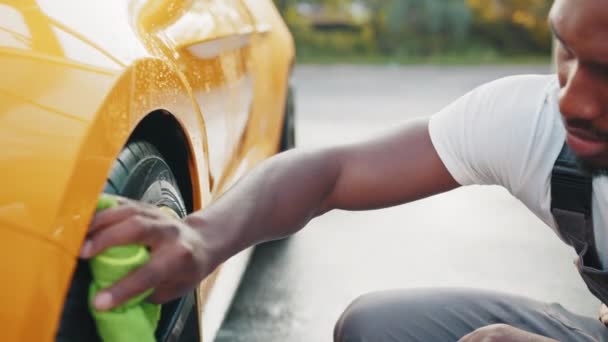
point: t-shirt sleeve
(485, 136)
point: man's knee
(412, 315)
(376, 316)
(356, 322)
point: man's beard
(597, 165)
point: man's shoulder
(518, 101)
(537, 136)
(528, 88)
(506, 132)
(525, 80)
(529, 134)
(488, 135)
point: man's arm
(285, 192)
(276, 199)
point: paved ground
(479, 237)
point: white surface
(222, 293)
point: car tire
(288, 134)
(141, 173)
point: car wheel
(288, 135)
(140, 173)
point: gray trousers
(430, 315)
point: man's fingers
(176, 260)
(146, 277)
(168, 292)
(124, 210)
(111, 216)
(468, 337)
(132, 230)
(603, 316)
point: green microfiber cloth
(136, 320)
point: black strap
(570, 187)
(571, 191)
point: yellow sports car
(166, 101)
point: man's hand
(604, 314)
(503, 333)
(179, 257)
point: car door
(209, 41)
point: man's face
(581, 30)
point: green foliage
(517, 25)
(426, 28)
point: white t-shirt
(509, 133)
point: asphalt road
(294, 290)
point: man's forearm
(282, 194)
(276, 199)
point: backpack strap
(571, 191)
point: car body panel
(77, 79)
(33, 294)
(209, 41)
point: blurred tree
(329, 3)
(428, 26)
(514, 24)
(377, 24)
(423, 27)
(282, 5)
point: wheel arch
(151, 101)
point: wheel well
(163, 131)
